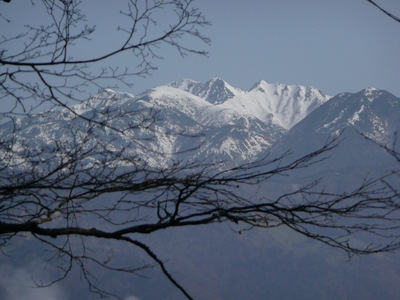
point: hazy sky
(334, 45)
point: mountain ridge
(278, 104)
(232, 131)
(362, 122)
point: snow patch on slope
(106, 98)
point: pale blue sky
(334, 45)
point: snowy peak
(200, 110)
(170, 98)
(372, 113)
(375, 113)
(215, 91)
(372, 93)
(225, 134)
(279, 104)
(260, 86)
(276, 104)
(304, 93)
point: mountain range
(231, 125)
(279, 104)
(190, 122)
(215, 122)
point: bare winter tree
(97, 175)
(50, 63)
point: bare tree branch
(100, 174)
(384, 11)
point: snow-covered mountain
(278, 104)
(170, 120)
(212, 121)
(228, 134)
(351, 116)
(216, 121)
(372, 112)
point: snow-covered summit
(215, 91)
(279, 104)
(168, 98)
(370, 111)
(372, 93)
